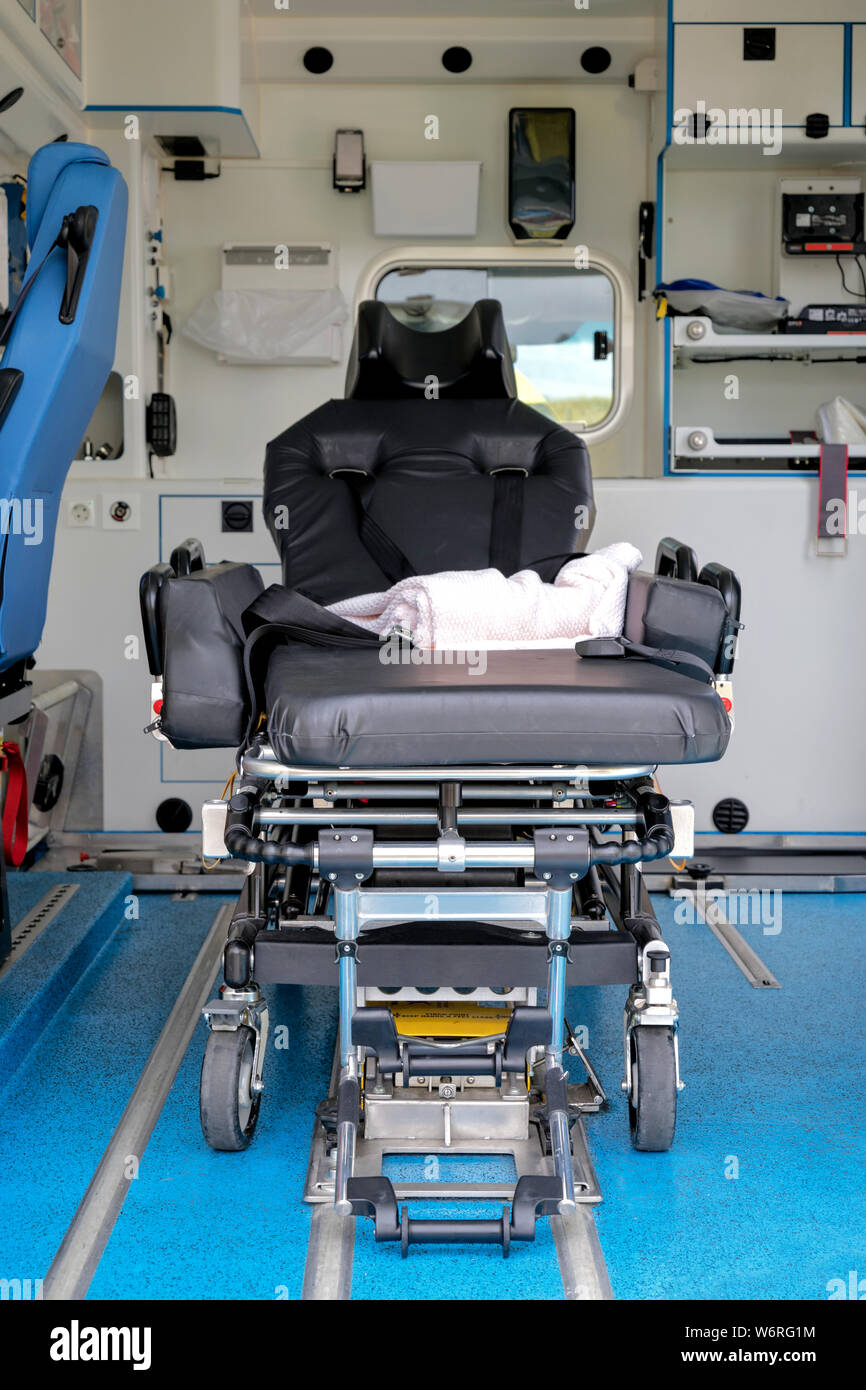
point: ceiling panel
(445, 9)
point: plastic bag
(263, 326)
(840, 422)
(748, 311)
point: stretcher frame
(566, 854)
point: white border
(457, 255)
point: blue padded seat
(64, 369)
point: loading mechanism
(464, 1060)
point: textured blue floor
(62, 1107)
(775, 1081)
(32, 992)
(206, 1225)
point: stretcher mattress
(345, 708)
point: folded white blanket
(461, 607)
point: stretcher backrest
(57, 359)
(449, 484)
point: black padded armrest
(187, 556)
(699, 617)
(722, 579)
(676, 560)
(204, 686)
(148, 594)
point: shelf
(843, 145)
(773, 344)
(714, 455)
(223, 130)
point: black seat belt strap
(279, 614)
(672, 658)
(506, 521)
(387, 554)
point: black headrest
(392, 361)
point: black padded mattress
(347, 708)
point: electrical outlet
(81, 513)
(121, 511)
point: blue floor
(63, 1104)
(199, 1224)
(36, 988)
(774, 1093)
(775, 1086)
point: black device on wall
(541, 172)
(822, 224)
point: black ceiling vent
(318, 60)
(595, 60)
(457, 60)
(730, 816)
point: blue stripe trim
(667, 441)
(660, 197)
(670, 75)
(133, 107)
(754, 473)
(760, 23)
(847, 78)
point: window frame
(459, 256)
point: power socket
(81, 513)
(121, 511)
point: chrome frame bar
(347, 927)
(264, 764)
(381, 907)
(361, 816)
(483, 854)
(428, 791)
(559, 930)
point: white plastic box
(429, 198)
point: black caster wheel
(227, 1106)
(652, 1105)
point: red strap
(15, 806)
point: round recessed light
(318, 60)
(595, 60)
(456, 60)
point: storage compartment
(717, 65)
(429, 198)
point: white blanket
(459, 608)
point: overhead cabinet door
(797, 68)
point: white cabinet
(806, 74)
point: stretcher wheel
(227, 1106)
(652, 1104)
